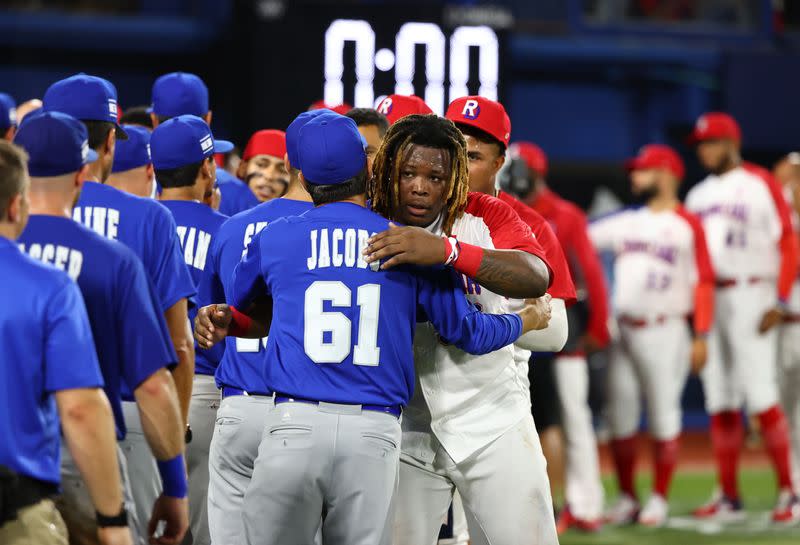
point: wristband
(173, 477)
(119, 520)
(240, 323)
(468, 260)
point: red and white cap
(532, 154)
(266, 142)
(715, 126)
(657, 156)
(396, 107)
(482, 113)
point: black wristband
(117, 520)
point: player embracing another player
(663, 274)
(748, 229)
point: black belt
(19, 491)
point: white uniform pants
(789, 380)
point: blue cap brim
(222, 146)
(91, 157)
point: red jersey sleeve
(704, 289)
(562, 286)
(788, 245)
(507, 230)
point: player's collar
(436, 226)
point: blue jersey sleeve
(458, 321)
(169, 272)
(140, 322)
(70, 355)
(248, 281)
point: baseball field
(693, 483)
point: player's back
(242, 362)
(342, 330)
(114, 285)
(196, 226)
(144, 226)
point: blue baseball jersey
(197, 225)
(47, 347)
(236, 196)
(144, 226)
(342, 330)
(242, 362)
(124, 312)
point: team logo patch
(385, 107)
(112, 108)
(471, 109)
(148, 152)
(12, 116)
(206, 144)
(84, 151)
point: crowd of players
(191, 365)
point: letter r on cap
(385, 107)
(471, 109)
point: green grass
(689, 490)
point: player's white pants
(233, 452)
(142, 468)
(503, 486)
(742, 362)
(202, 416)
(650, 361)
(789, 381)
(584, 489)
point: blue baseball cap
(56, 143)
(184, 140)
(293, 133)
(85, 97)
(180, 93)
(8, 112)
(330, 149)
(133, 152)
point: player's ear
(9, 134)
(14, 208)
(207, 118)
(150, 171)
(81, 175)
(154, 119)
(241, 170)
(499, 161)
(111, 140)
(287, 163)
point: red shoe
(721, 509)
(787, 509)
(567, 520)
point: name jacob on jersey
(337, 248)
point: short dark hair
(483, 136)
(13, 170)
(184, 176)
(137, 115)
(324, 194)
(368, 116)
(98, 132)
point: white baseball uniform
(662, 274)
(469, 424)
(746, 222)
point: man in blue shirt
(340, 363)
(148, 229)
(50, 377)
(115, 287)
(183, 155)
(132, 171)
(182, 93)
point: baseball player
(137, 115)
(53, 387)
(132, 171)
(263, 155)
(148, 229)
(485, 136)
(334, 432)
(754, 253)
(663, 274)
(468, 426)
(245, 397)
(787, 172)
(372, 125)
(113, 284)
(8, 117)
(183, 156)
(396, 107)
(588, 331)
(182, 93)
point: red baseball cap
(481, 113)
(657, 156)
(266, 142)
(341, 109)
(714, 126)
(395, 107)
(533, 156)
